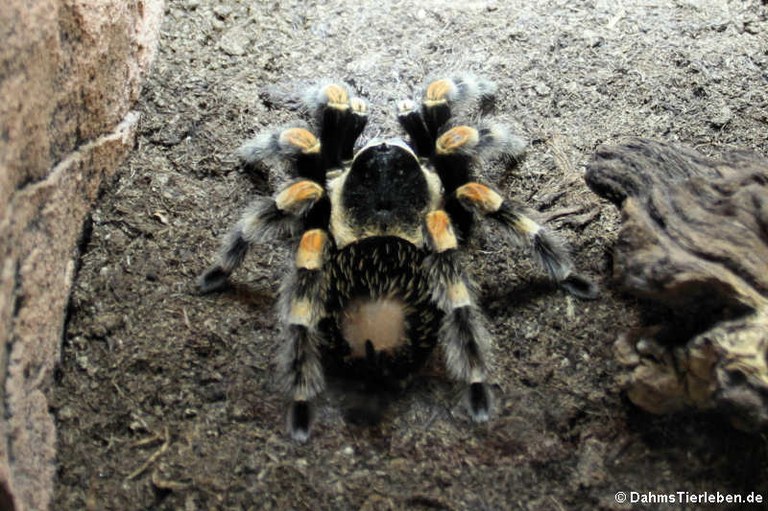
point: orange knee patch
(441, 231)
(438, 91)
(311, 250)
(297, 195)
(457, 138)
(301, 139)
(479, 197)
(337, 96)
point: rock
(693, 238)
(71, 73)
(222, 11)
(721, 118)
(234, 43)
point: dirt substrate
(166, 399)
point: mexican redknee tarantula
(377, 279)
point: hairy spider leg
(547, 249)
(436, 105)
(302, 305)
(456, 152)
(423, 124)
(453, 151)
(465, 341)
(264, 220)
(297, 146)
(410, 118)
(426, 122)
(357, 121)
(341, 121)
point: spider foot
(580, 287)
(212, 280)
(479, 402)
(299, 419)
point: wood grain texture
(694, 238)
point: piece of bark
(694, 238)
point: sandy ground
(165, 399)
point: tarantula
(377, 281)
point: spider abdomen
(380, 295)
(380, 321)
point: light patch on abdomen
(382, 321)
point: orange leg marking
(300, 138)
(441, 231)
(311, 250)
(297, 195)
(438, 91)
(337, 96)
(456, 138)
(479, 197)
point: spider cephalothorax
(377, 279)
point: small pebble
(222, 11)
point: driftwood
(694, 238)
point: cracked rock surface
(70, 73)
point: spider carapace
(377, 280)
